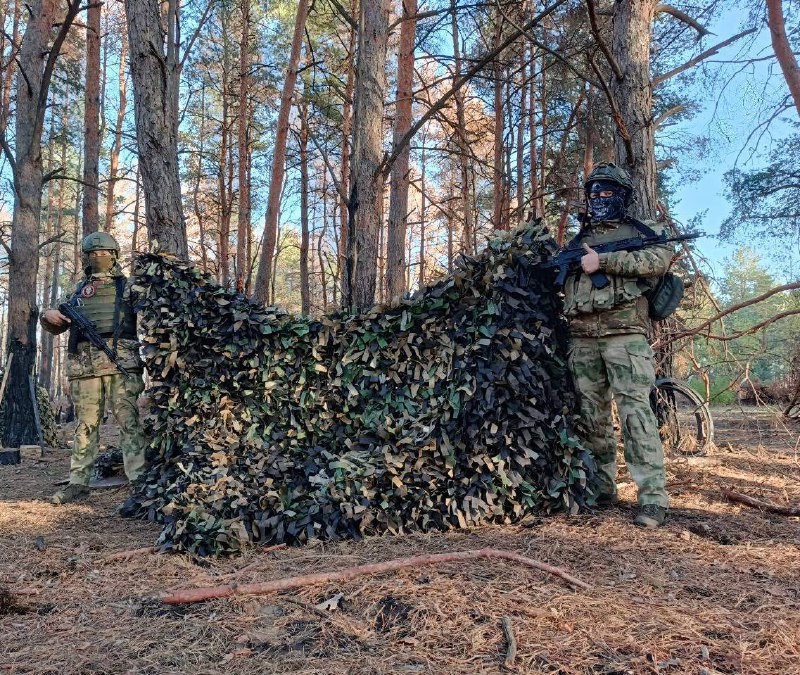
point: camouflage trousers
(89, 394)
(622, 366)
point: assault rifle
(569, 259)
(82, 324)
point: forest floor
(717, 590)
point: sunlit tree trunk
(153, 41)
(468, 233)
(243, 221)
(37, 57)
(783, 50)
(270, 237)
(305, 301)
(398, 199)
(118, 127)
(366, 183)
(91, 123)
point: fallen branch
(124, 555)
(226, 591)
(758, 504)
(511, 652)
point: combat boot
(650, 515)
(71, 493)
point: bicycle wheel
(684, 421)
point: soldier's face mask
(606, 200)
(101, 261)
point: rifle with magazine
(662, 300)
(86, 327)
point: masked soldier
(609, 353)
(103, 297)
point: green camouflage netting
(448, 410)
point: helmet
(614, 174)
(99, 241)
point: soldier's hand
(56, 318)
(590, 263)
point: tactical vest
(101, 302)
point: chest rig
(101, 302)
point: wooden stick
(511, 652)
(212, 592)
(758, 504)
(124, 555)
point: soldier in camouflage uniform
(103, 298)
(609, 353)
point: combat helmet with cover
(99, 241)
(611, 173)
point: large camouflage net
(448, 410)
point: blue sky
(733, 103)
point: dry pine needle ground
(716, 591)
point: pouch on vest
(663, 299)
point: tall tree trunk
(498, 178)
(783, 50)
(523, 101)
(155, 92)
(8, 74)
(344, 177)
(243, 220)
(270, 237)
(225, 187)
(136, 211)
(91, 128)
(423, 158)
(48, 339)
(305, 302)
(533, 150)
(37, 58)
(198, 212)
(117, 147)
(633, 94)
(467, 239)
(398, 196)
(366, 183)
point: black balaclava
(606, 208)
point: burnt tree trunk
(398, 196)
(155, 68)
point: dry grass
(717, 590)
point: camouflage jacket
(88, 361)
(619, 308)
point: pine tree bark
(344, 176)
(398, 195)
(37, 58)
(91, 122)
(634, 142)
(366, 182)
(243, 218)
(468, 236)
(498, 180)
(155, 74)
(305, 301)
(783, 50)
(270, 236)
(225, 186)
(113, 169)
